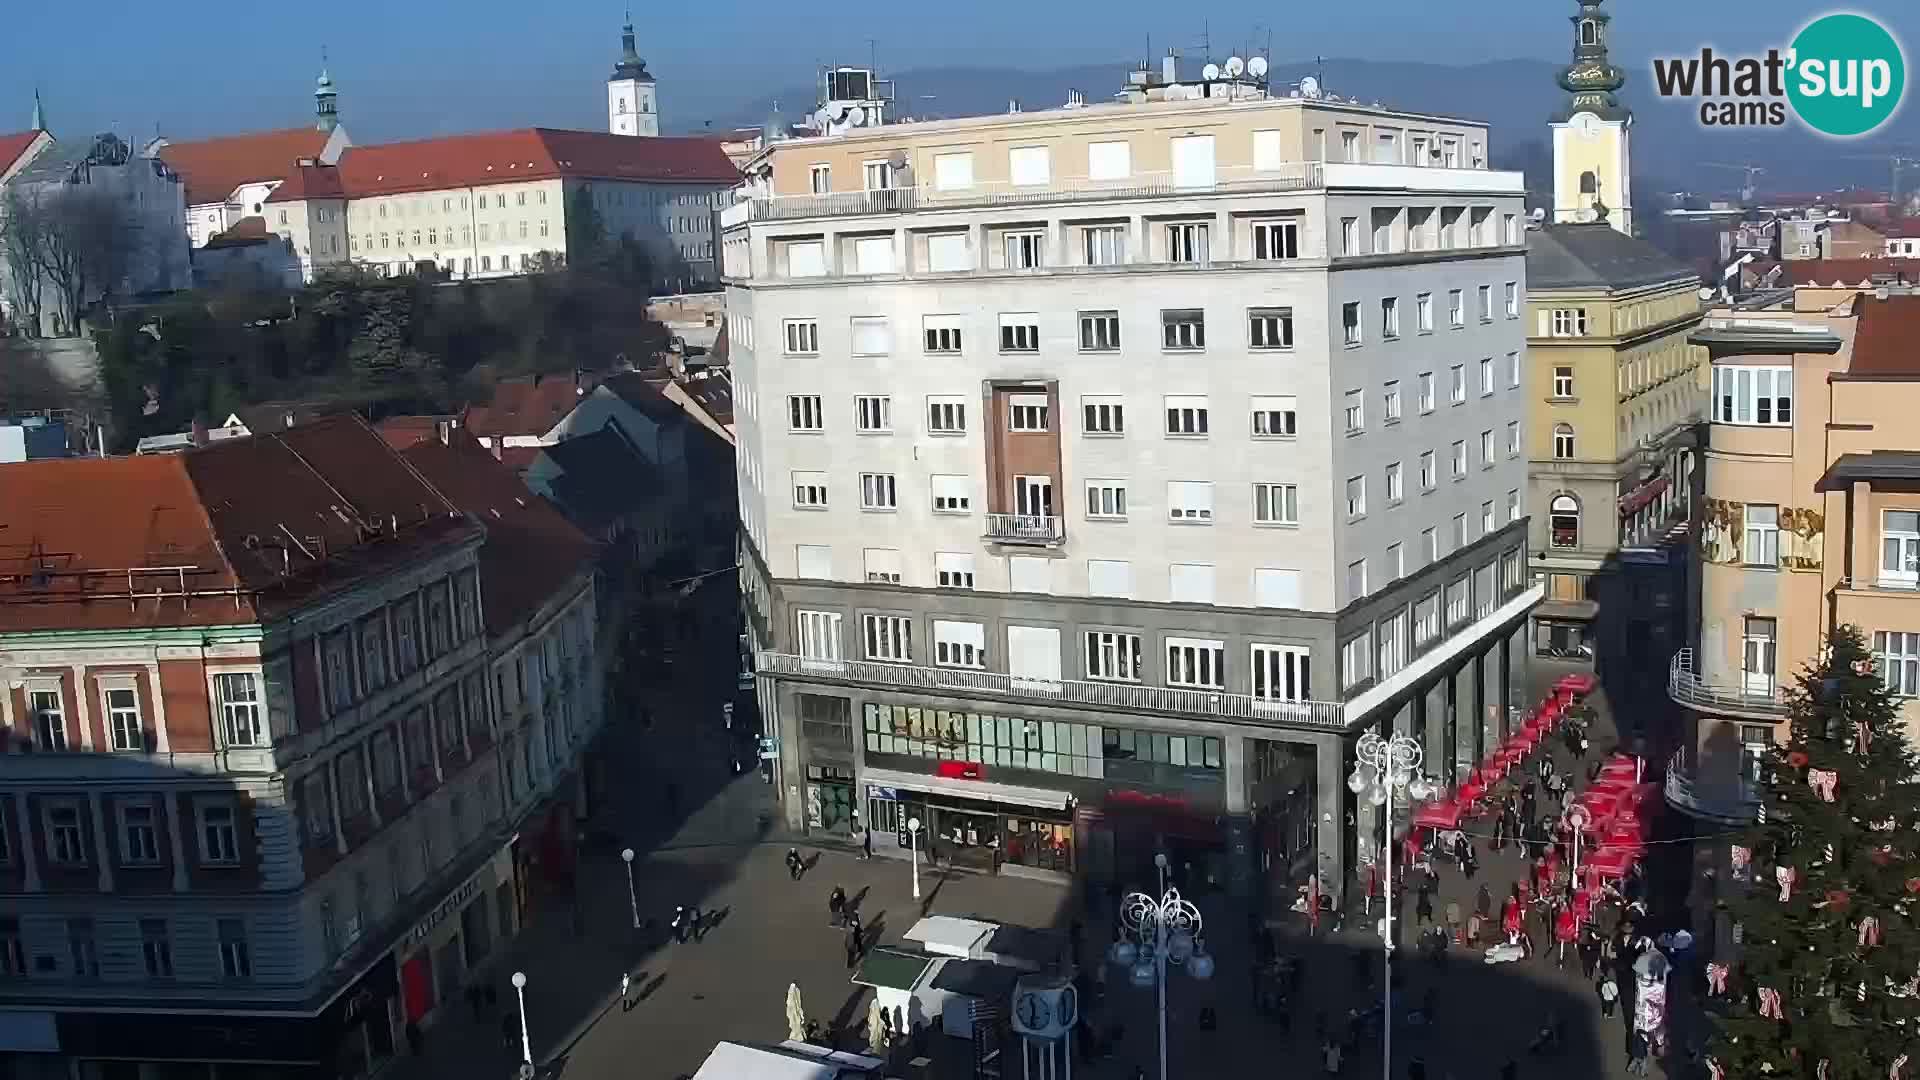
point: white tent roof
(792, 1061)
(950, 936)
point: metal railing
(1735, 799)
(1294, 176)
(1121, 697)
(1686, 687)
(1026, 528)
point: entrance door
(416, 986)
(1900, 548)
(1033, 496)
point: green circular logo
(1847, 75)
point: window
(1390, 317)
(1384, 220)
(882, 565)
(1457, 383)
(951, 494)
(1030, 574)
(887, 638)
(804, 413)
(1270, 328)
(1423, 312)
(1349, 236)
(820, 179)
(870, 336)
(1900, 548)
(1186, 415)
(1276, 240)
(1759, 654)
(1187, 242)
(1563, 441)
(1898, 655)
(1753, 395)
(813, 561)
(156, 947)
(81, 947)
(123, 719)
(1761, 543)
(818, 634)
(1513, 438)
(873, 415)
(1357, 579)
(239, 693)
(1104, 245)
(953, 569)
(810, 490)
(1183, 329)
(236, 958)
(1486, 449)
(1487, 521)
(1512, 295)
(1456, 309)
(1350, 322)
(1426, 619)
(1390, 402)
(1485, 295)
(1513, 505)
(219, 837)
(1196, 662)
(1567, 322)
(1189, 500)
(1099, 331)
(1103, 415)
(878, 492)
(1356, 496)
(1027, 412)
(803, 337)
(1486, 377)
(1563, 381)
(1274, 417)
(946, 416)
(948, 253)
(1020, 333)
(1513, 370)
(1459, 531)
(66, 838)
(139, 839)
(1110, 577)
(959, 644)
(1563, 521)
(1460, 459)
(49, 720)
(1396, 489)
(1276, 504)
(1107, 499)
(1426, 392)
(1113, 656)
(1025, 250)
(1427, 471)
(1276, 587)
(1190, 583)
(1356, 660)
(1458, 610)
(941, 333)
(1109, 161)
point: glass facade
(1085, 750)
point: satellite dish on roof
(1309, 87)
(857, 116)
(1257, 67)
(1235, 66)
(821, 118)
(1210, 72)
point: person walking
(866, 845)
(1453, 918)
(1564, 932)
(795, 865)
(836, 904)
(1423, 906)
(1483, 901)
(1609, 992)
(1589, 951)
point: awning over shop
(1635, 500)
(967, 789)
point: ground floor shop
(441, 952)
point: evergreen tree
(1823, 979)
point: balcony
(1115, 697)
(1687, 688)
(1730, 800)
(1039, 530)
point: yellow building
(1591, 165)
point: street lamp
(913, 838)
(1164, 931)
(1383, 768)
(633, 902)
(526, 1044)
(1576, 823)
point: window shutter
(1274, 588)
(947, 252)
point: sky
(413, 68)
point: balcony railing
(1731, 800)
(1685, 686)
(1026, 529)
(1119, 697)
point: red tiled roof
(505, 157)
(531, 551)
(309, 182)
(1903, 228)
(12, 146)
(248, 230)
(519, 458)
(1848, 272)
(248, 528)
(402, 432)
(524, 406)
(1887, 338)
(213, 168)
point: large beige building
(1106, 470)
(1811, 520)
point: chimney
(197, 433)
(444, 429)
(1013, 105)
(1170, 68)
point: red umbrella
(1440, 815)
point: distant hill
(1514, 97)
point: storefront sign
(875, 791)
(453, 903)
(960, 770)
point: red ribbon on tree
(1770, 1004)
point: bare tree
(79, 240)
(100, 227)
(22, 225)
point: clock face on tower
(1586, 125)
(1033, 1010)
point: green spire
(1591, 78)
(39, 114)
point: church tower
(1591, 168)
(631, 107)
(326, 106)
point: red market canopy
(1579, 683)
(1440, 815)
(1611, 863)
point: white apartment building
(494, 204)
(1204, 412)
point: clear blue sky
(419, 67)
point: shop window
(1564, 521)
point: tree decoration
(1828, 958)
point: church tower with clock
(1591, 168)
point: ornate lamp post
(526, 1042)
(913, 838)
(633, 902)
(1384, 768)
(1164, 931)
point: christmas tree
(1821, 983)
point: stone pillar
(29, 863)
(1331, 794)
(1446, 768)
(102, 848)
(175, 841)
(1240, 858)
(1506, 685)
(1479, 707)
